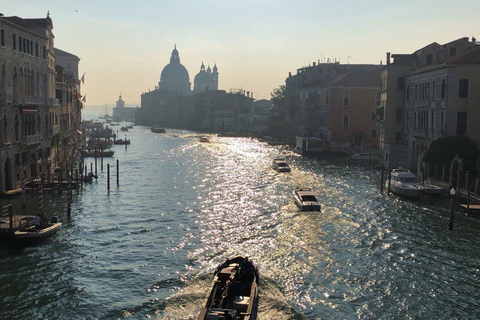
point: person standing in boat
(38, 221)
(247, 270)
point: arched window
(18, 129)
(443, 88)
(346, 98)
(38, 128)
(5, 129)
(346, 120)
(47, 127)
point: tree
(443, 150)
(278, 96)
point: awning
(29, 110)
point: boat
(157, 129)
(89, 177)
(203, 139)
(124, 128)
(404, 183)
(280, 165)
(98, 153)
(234, 293)
(305, 199)
(31, 234)
(121, 141)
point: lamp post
(452, 208)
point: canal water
(146, 249)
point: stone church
(166, 104)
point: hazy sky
(124, 45)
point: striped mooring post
(23, 190)
(69, 196)
(40, 198)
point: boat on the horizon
(97, 153)
(234, 294)
(121, 141)
(157, 129)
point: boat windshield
(408, 180)
(309, 198)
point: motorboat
(305, 199)
(97, 153)
(157, 129)
(31, 234)
(234, 293)
(124, 128)
(404, 183)
(121, 141)
(203, 139)
(280, 165)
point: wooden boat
(121, 141)
(98, 153)
(234, 293)
(157, 129)
(31, 234)
(305, 199)
(89, 177)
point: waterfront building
(333, 103)
(39, 101)
(441, 101)
(122, 113)
(391, 114)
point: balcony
(5, 99)
(33, 139)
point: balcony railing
(5, 99)
(32, 139)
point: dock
(9, 222)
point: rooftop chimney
(388, 58)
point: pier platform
(9, 222)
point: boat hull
(234, 293)
(306, 200)
(32, 235)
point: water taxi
(305, 199)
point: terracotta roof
(472, 56)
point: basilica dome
(174, 76)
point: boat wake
(186, 303)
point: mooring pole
(452, 208)
(108, 176)
(69, 197)
(23, 190)
(118, 174)
(381, 180)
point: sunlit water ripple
(147, 248)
